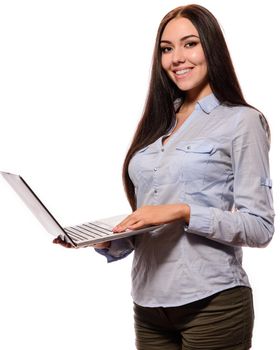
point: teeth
(183, 71)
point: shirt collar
(207, 103)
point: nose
(178, 56)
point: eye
(165, 49)
(191, 44)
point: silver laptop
(79, 235)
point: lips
(182, 73)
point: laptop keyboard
(88, 231)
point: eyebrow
(182, 39)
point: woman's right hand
(103, 245)
(59, 240)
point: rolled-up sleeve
(119, 249)
(250, 223)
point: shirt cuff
(119, 249)
(201, 220)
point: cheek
(197, 58)
(165, 62)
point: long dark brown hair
(159, 111)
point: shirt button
(155, 191)
(155, 169)
(162, 150)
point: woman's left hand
(150, 215)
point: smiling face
(183, 59)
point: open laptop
(79, 235)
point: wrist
(104, 245)
(185, 212)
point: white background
(73, 81)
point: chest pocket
(196, 158)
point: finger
(137, 225)
(60, 241)
(124, 225)
(57, 240)
(68, 245)
(125, 221)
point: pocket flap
(192, 147)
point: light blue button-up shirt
(217, 163)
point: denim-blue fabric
(216, 162)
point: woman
(198, 164)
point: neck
(196, 94)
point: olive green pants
(223, 321)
